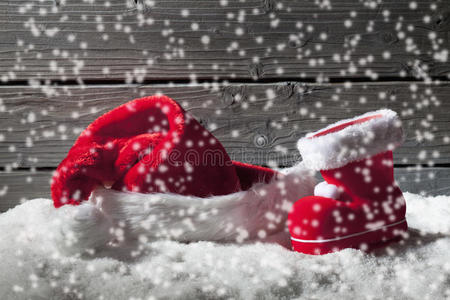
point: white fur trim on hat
(259, 213)
(352, 143)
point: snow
(34, 264)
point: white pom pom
(327, 190)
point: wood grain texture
(202, 39)
(257, 123)
(19, 186)
(426, 181)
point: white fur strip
(248, 215)
(353, 143)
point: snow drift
(34, 266)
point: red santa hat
(149, 168)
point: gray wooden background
(258, 73)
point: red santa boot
(359, 205)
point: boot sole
(365, 240)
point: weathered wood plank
(257, 123)
(16, 187)
(427, 181)
(195, 39)
(420, 180)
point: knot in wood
(302, 89)
(203, 121)
(256, 70)
(442, 19)
(389, 38)
(268, 5)
(261, 140)
(215, 30)
(286, 90)
(233, 94)
(297, 43)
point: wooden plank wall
(258, 73)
